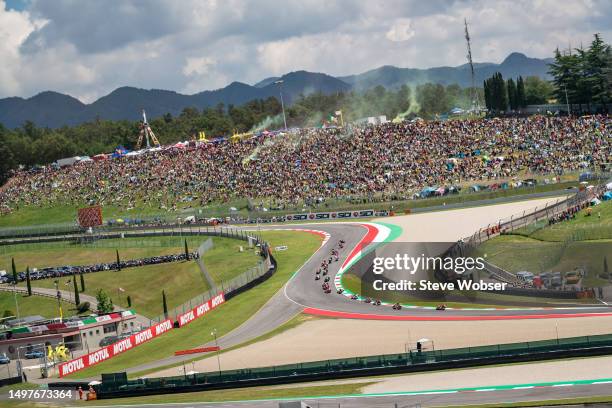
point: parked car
(34, 354)
(108, 340)
(4, 359)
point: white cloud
(87, 49)
(401, 30)
(198, 65)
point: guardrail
(116, 385)
(34, 293)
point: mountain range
(53, 109)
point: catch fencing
(117, 385)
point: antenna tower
(474, 93)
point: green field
(227, 316)
(32, 305)
(181, 280)
(596, 226)
(581, 243)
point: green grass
(517, 253)
(33, 305)
(584, 227)
(182, 281)
(227, 316)
(243, 394)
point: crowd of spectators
(392, 160)
(61, 271)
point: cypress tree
(28, 283)
(164, 304)
(82, 282)
(129, 301)
(77, 298)
(186, 250)
(521, 99)
(512, 94)
(14, 270)
(118, 261)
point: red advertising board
(200, 310)
(114, 349)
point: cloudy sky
(87, 48)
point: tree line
(30, 145)
(584, 76)
(580, 77)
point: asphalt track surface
(303, 293)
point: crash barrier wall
(117, 385)
(10, 380)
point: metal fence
(337, 367)
(228, 286)
(527, 220)
(525, 223)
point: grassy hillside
(32, 305)
(181, 280)
(227, 316)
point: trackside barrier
(139, 338)
(162, 327)
(536, 218)
(200, 310)
(114, 349)
(412, 361)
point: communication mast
(147, 133)
(473, 92)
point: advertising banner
(336, 215)
(114, 349)
(200, 310)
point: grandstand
(310, 166)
